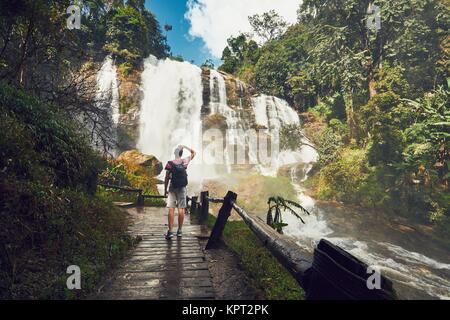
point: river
(404, 252)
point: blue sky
(181, 43)
(201, 27)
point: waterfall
(273, 113)
(107, 95)
(108, 88)
(170, 111)
(235, 139)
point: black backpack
(179, 175)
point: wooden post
(194, 204)
(140, 199)
(222, 218)
(205, 206)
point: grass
(267, 276)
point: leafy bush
(291, 137)
(43, 144)
(343, 178)
(49, 216)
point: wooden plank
(133, 264)
(154, 254)
(181, 256)
(160, 283)
(143, 294)
(161, 269)
(162, 254)
(170, 244)
(142, 266)
(161, 249)
(145, 275)
(169, 248)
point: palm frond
(297, 205)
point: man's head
(178, 152)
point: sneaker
(169, 235)
(179, 233)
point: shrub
(49, 215)
(342, 179)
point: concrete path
(161, 269)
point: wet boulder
(135, 158)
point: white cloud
(215, 21)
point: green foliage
(279, 69)
(291, 137)
(240, 51)
(341, 179)
(54, 151)
(268, 26)
(383, 96)
(125, 69)
(329, 143)
(49, 216)
(208, 64)
(133, 32)
(265, 272)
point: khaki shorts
(177, 198)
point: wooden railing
(140, 196)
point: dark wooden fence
(140, 199)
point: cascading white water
(108, 88)
(170, 111)
(107, 95)
(235, 139)
(273, 113)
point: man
(176, 174)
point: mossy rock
(215, 121)
(138, 161)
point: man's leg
(180, 217)
(181, 199)
(171, 218)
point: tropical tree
(268, 26)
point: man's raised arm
(193, 153)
